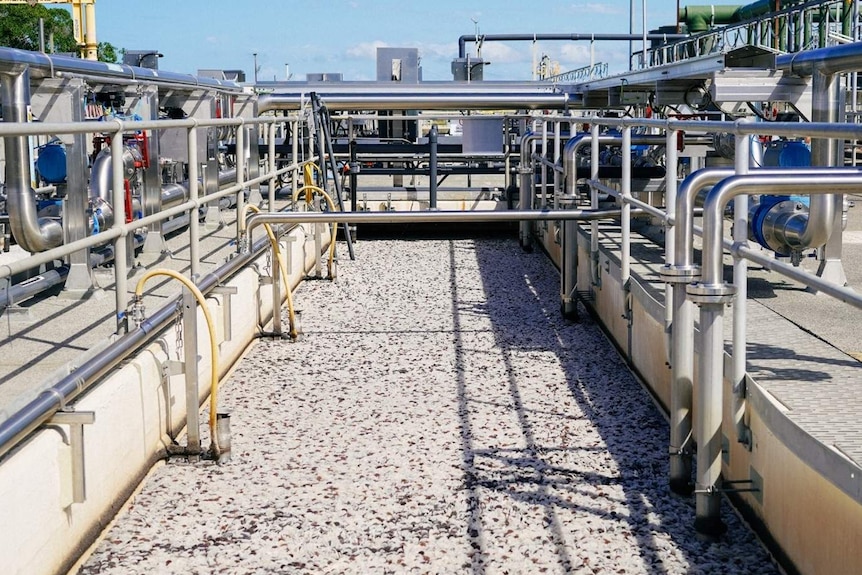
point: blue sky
(342, 35)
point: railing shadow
(626, 490)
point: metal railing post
(194, 220)
(594, 205)
(626, 224)
(740, 280)
(240, 175)
(432, 164)
(190, 371)
(121, 254)
(270, 196)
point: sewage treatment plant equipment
(596, 322)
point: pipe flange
(673, 274)
(701, 293)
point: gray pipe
(32, 233)
(462, 41)
(49, 65)
(419, 99)
(432, 164)
(526, 197)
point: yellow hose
(273, 241)
(139, 290)
(334, 227)
(308, 173)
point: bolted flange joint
(701, 293)
(675, 274)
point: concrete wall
(137, 411)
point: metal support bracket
(76, 420)
(254, 197)
(213, 219)
(227, 292)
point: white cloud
(498, 52)
(596, 8)
(574, 55)
(365, 50)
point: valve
(136, 310)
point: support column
(61, 101)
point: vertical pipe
(240, 177)
(544, 168)
(507, 149)
(194, 220)
(594, 202)
(708, 405)
(121, 271)
(294, 153)
(432, 162)
(644, 32)
(91, 49)
(625, 255)
(354, 165)
(740, 279)
(670, 189)
(825, 211)
(680, 323)
(270, 200)
(557, 163)
(525, 172)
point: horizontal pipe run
(480, 216)
(50, 64)
(418, 100)
(830, 60)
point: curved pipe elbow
(32, 233)
(814, 229)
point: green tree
(107, 52)
(19, 27)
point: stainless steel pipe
(32, 233)
(420, 99)
(479, 216)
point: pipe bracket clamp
(701, 293)
(672, 274)
(525, 170)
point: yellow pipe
(333, 226)
(139, 290)
(273, 241)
